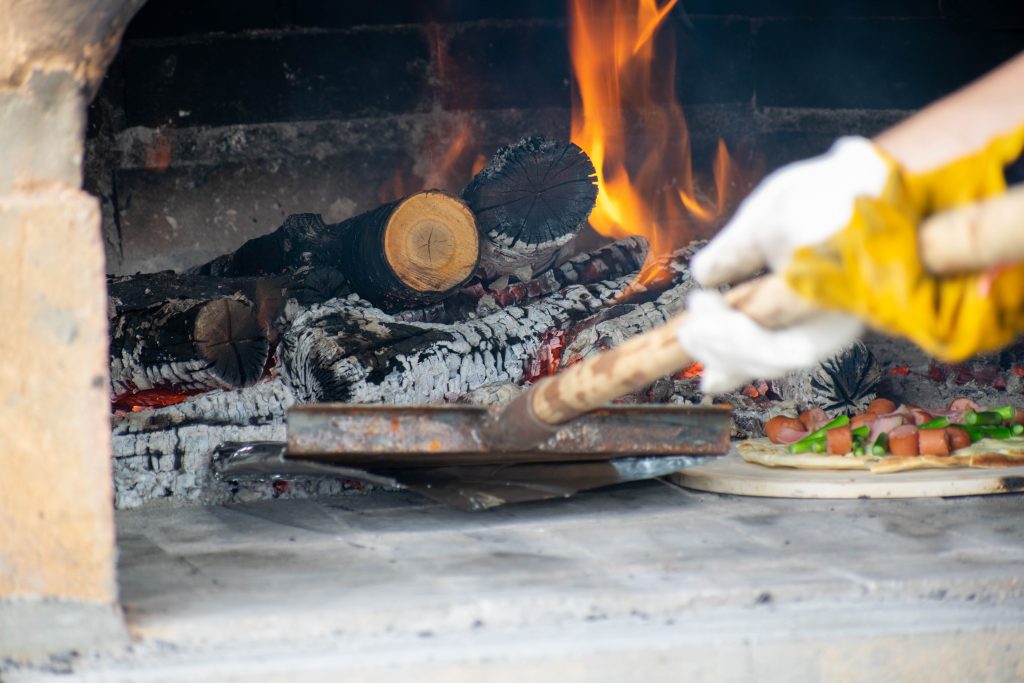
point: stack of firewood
(406, 285)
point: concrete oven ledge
(644, 582)
(33, 630)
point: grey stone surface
(37, 629)
(41, 127)
(640, 582)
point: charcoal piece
(848, 381)
(606, 263)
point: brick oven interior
(217, 121)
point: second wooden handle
(655, 354)
(976, 236)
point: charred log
(406, 253)
(191, 333)
(475, 301)
(530, 201)
(641, 309)
(345, 350)
(189, 345)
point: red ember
(148, 399)
(549, 356)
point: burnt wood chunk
(228, 334)
(303, 239)
(531, 200)
(188, 345)
(406, 253)
(474, 300)
(191, 332)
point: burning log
(192, 333)
(530, 201)
(344, 350)
(412, 252)
(406, 253)
(189, 345)
(641, 310)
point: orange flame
(449, 157)
(627, 118)
(454, 159)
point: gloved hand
(801, 204)
(872, 267)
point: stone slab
(639, 582)
(731, 474)
(56, 512)
(36, 629)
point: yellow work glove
(872, 269)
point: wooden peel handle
(976, 236)
(654, 354)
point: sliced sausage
(784, 429)
(958, 438)
(880, 406)
(932, 442)
(839, 440)
(903, 440)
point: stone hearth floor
(643, 582)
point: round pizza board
(732, 474)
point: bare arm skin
(959, 123)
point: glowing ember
(691, 371)
(549, 356)
(750, 391)
(901, 370)
(645, 175)
(149, 399)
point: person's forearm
(959, 123)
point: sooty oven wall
(220, 118)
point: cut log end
(228, 334)
(431, 242)
(536, 192)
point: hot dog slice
(839, 440)
(903, 440)
(932, 442)
(783, 429)
(880, 406)
(958, 438)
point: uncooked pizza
(890, 438)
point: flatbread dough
(986, 453)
